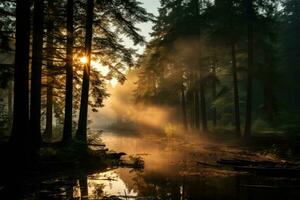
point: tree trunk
(183, 106)
(20, 136)
(203, 106)
(10, 104)
(190, 98)
(197, 110)
(270, 101)
(192, 109)
(82, 122)
(67, 134)
(83, 183)
(50, 53)
(49, 107)
(235, 92)
(37, 55)
(214, 96)
(248, 121)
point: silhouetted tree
(50, 78)
(67, 134)
(227, 28)
(20, 137)
(82, 122)
(124, 15)
(290, 50)
(36, 71)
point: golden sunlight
(83, 60)
(114, 82)
(104, 70)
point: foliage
(192, 46)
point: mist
(122, 111)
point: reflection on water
(171, 172)
(128, 184)
(109, 184)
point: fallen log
(240, 162)
(207, 164)
(270, 171)
(274, 187)
(97, 145)
(116, 156)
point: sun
(84, 60)
(103, 70)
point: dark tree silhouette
(82, 122)
(20, 137)
(67, 132)
(250, 18)
(37, 56)
(235, 92)
(183, 107)
(50, 78)
(203, 106)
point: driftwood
(207, 164)
(272, 187)
(271, 171)
(116, 156)
(240, 162)
(269, 168)
(97, 145)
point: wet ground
(174, 168)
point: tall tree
(226, 28)
(177, 47)
(266, 60)
(50, 78)
(82, 122)
(203, 106)
(183, 107)
(233, 41)
(10, 104)
(250, 37)
(20, 136)
(235, 91)
(214, 94)
(67, 134)
(37, 56)
(197, 110)
(290, 52)
(114, 20)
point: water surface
(174, 168)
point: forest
(205, 105)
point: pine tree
(36, 72)
(20, 137)
(67, 132)
(82, 122)
(50, 78)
